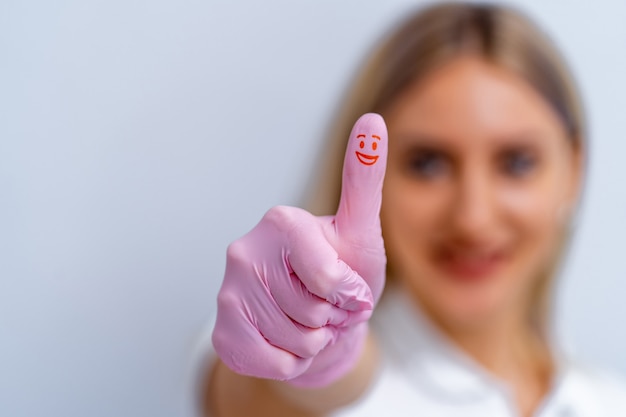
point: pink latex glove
(298, 289)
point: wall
(138, 138)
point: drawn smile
(366, 159)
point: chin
(469, 312)
(466, 305)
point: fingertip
(354, 297)
(372, 119)
(357, 304)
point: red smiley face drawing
(363, 157)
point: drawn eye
(374, 146)
(362, 145)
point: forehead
(469, 98)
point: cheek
(532, 211)
(410, 217)
(532, 218)
(533, 204)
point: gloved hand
(298, 289)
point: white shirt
(424, 374)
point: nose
(473, 208)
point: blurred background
(138, 138)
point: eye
(518, 163)
(362, 144)
(374, 146)
(428, 164)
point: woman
(484, 169)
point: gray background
(138, 138)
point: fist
(298, 289)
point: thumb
(358, 215)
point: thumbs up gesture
(298, 289)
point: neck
(500, 343)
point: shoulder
(599, 387)
(603, 380)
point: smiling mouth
(366, 159)
(466, 267)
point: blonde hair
(426, 40)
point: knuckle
(236, 251)
(280, 215)
(316, 341)
(287, 368)
(222, 344)
(286, 218)
(308, 350)
(228, 300)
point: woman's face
(480, 173)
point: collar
(430, 360)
